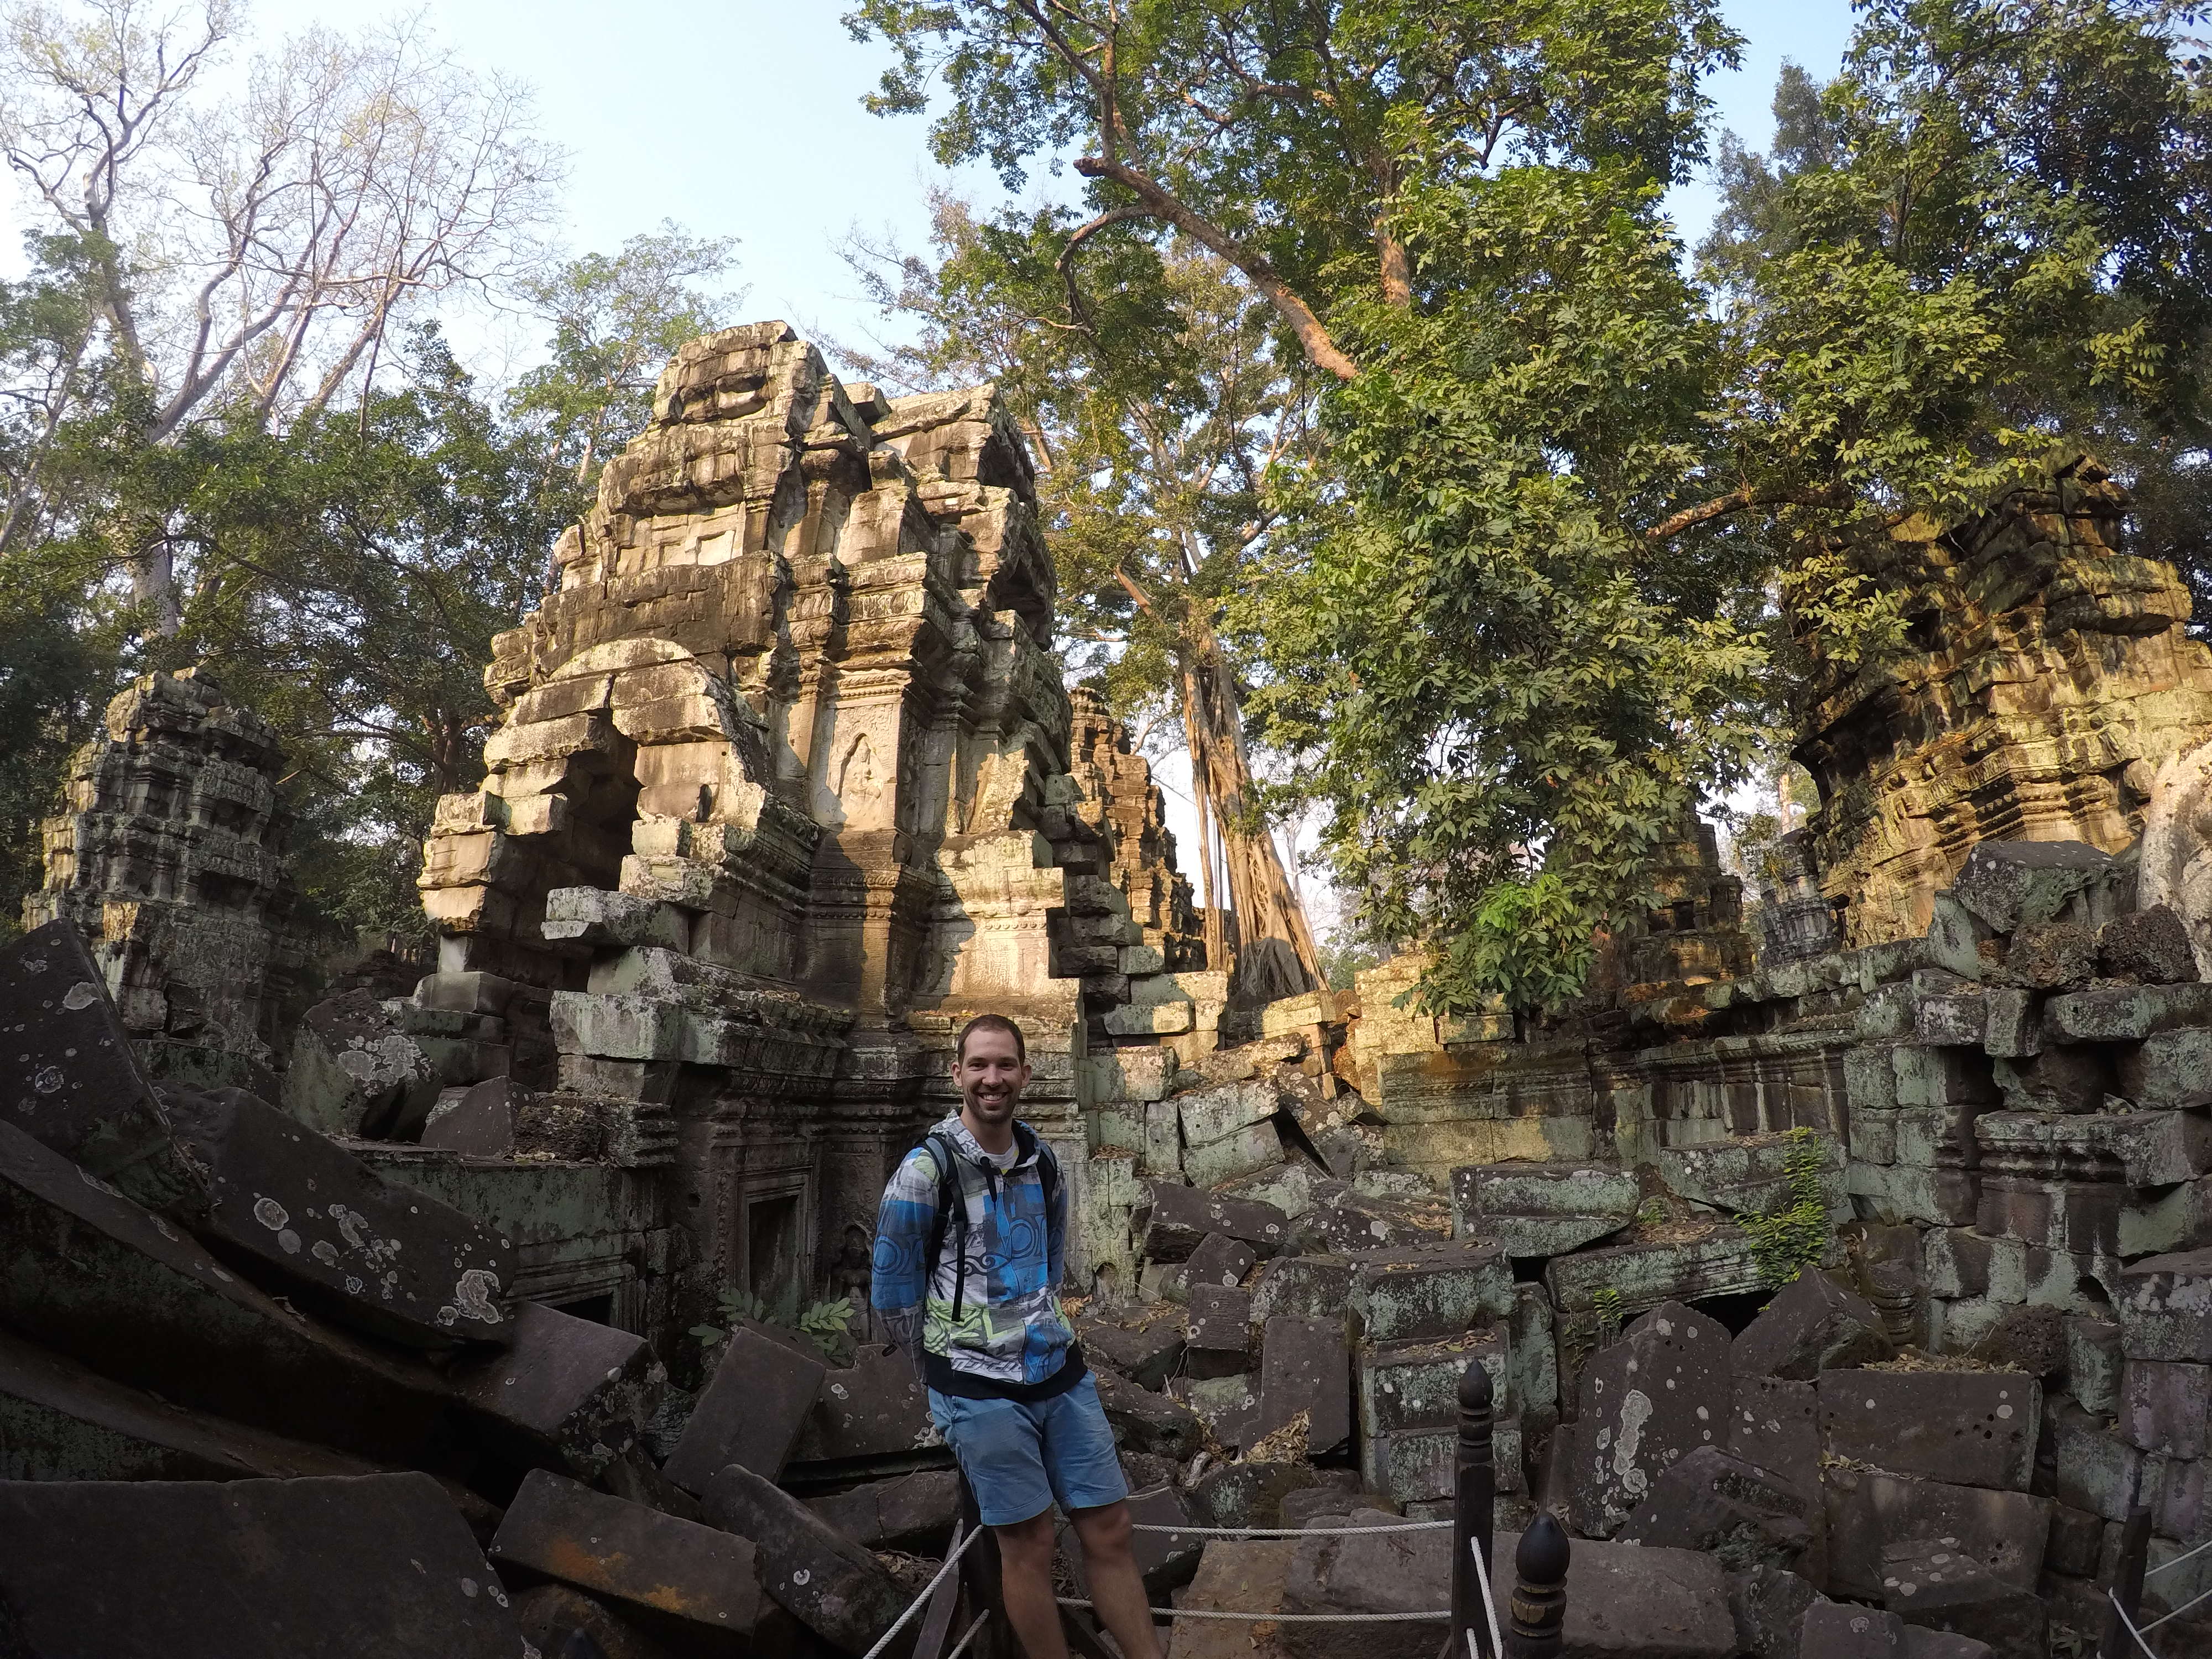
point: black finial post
(1474, 1511)
(1540, 1591)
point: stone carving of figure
(2177, 847)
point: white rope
(1288, 1532)
(2176, 1612)
(1283, 1618)
(961, 1647)
(1489, 1607)
(959, 1548)
(2168, 1566)
(2130, 1624)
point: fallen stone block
(1218, 1338)
(872, 1408)
(1960, 1018)
(1303, 1368)
(752, 1412)
(281, 1199)
(2162, 1407)
(1744, 1516)
(1228, 1405)
(1235, 1575)
(1144, 1343)
(565, 1389)
(1431, 1290)
(2014, 1022)
(1173, 1221)
(829, 1584)
(1943, 1589)
(686, 1583)
(1250, 1493)
(1651, 1398)
(1813, 1325)
(559, 1620)
(1389, 1572)
(1768, 1605)
(85, 1272)
(2056, 956)
(2150, 944)
(1210, 1114)
(1346, 1221)
(2172, 1069)
(1634, 1599)
(478, 1121)
(356, 1071)
(1147, 1422)
(1833, 1630)
(1219, 1260)
(1752, 1175)
(1776, 1424)
(2092, 1466)
(1723, 1262)
(2006, 1532)
(2009, 883)
(70, 1079)
(2123, 1013)
(1542, 1209)
(2058, 1079)
(1304, 1287)
(2166, 1307)
(1166, 1561)
(913, 1512)
(59, 1421)
(1250, 1150)
(2093, 1362)
(1408, 1397)
(376, 1566)
(1969, 1428)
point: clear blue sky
(742, 117)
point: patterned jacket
(1009, 1328)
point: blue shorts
(1019, 1458)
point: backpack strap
(952, 1213)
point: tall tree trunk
(1216, 956)
(1275, 940)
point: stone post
(1475, 1501)
(2127, 1586)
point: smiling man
(969, 1246)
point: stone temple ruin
(1844, 1289)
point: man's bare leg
(1117, 1591)
(1025, 1581)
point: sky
(743, 117)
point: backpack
(950, 1203)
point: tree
(1283, 138)
(252, 251)
(616, 320)
(1989, 234)
(1152, 387)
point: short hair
(991, 1023)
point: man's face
(990, 1074)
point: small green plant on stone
(1797, 1235)
(1607, 1302)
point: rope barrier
(1286, 1532)
(1283, 1618)
(2168, 1566)
(2176, 1612)
(961, 1646)
(2130, 1624)
(951, 1560)
(1489, 1606)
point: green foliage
(1795, 1236)
(827, 1325)
(1607, 1301)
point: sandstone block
(564, 1389)
(1938, 1588)
(1175, 1220)
(2169, 1069)
(1433, 1291)
(2007, 883)
(2093, 1363)
(2012, 1026)
(378, 1566)
(2163, 1405)
(1751, 1176)
(1966, 1428)
(2126, 1012)
(751, 1413)
(1651, 1398)
(1776, 1424)
(1305, 1286)
(2006, 1532)
(560, 1618)
(1303, 1368)
(2094, 1469)
(1635, 1599)
(829, 1584)
(1746, 1515)
(2150, 944)
(1769, 1607)
(1219, 1260)
(478, 1121)
(873, 1407)
(2166, 1307)
(696, 1582)
(1211, 1115)
(2058, 956)
(1255, 1147)
(1228, 1405)
(1218, 1338)
(1542, 1209)
(2058, 1079)
(1813, 1325)
(1146, 1422)
(1146, 1347)
(1958, 1019)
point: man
(969, 1246)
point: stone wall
(168, 857)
